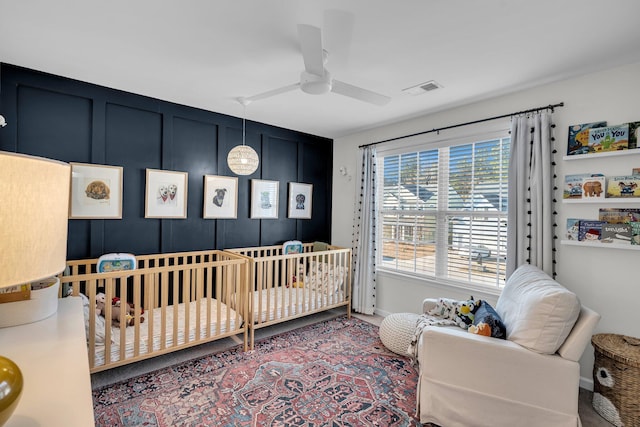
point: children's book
(623, 186)
(589, 230)
(579, 137)
(619, 215)
(573, 184)
(593, 187)
(635, 232)
(572, 228)
(616, 233)
(634, 134)
(611, 138)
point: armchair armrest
(428, 304)
(491, 366)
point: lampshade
(33, 218)
(33, 247)
(243, 160)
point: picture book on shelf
(634, 134)
(573, 184)
(616, 233)
(623, 186)
(611, 138)
(572, 228)
(593, 187)
(579, 137)
(589, 230)
(635, 232)
(619, 215)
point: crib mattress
(282, 302)
(155, 316)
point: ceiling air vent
(422, 88)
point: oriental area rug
(333, 373)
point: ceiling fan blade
(359, 93)
(271, 93)
(311, 45)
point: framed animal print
(96, 192)
(220, 197)
(166, 194)
(300, 200)
(264, 199)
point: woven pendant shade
(243, 160)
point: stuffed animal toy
(118, 316)
(480, 329)
(123, 316)
(100, 299)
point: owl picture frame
(166, 194)
(96, 191)
(300, 198)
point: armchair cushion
(539, 312)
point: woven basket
(616, 378)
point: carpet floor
(332, 373)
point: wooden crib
(179, 300)
(287, 286)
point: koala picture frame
(96, 191)
(166, 194)
(264, 199)
(220, 197)
(300, 198)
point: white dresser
(52, 355)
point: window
(443, 211)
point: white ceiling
(207, 53)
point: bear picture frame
(300, 198)
(96, 191)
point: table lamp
(34, 210)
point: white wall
(607, 280)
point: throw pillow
(488, 322)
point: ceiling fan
(315, 79)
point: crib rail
(187, 299)
(284, 287)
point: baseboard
(381, 313)
(586, 383)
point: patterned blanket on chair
(447, 312)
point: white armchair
(529, 379)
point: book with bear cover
(593, 187)
(590, 230)
(573, 184)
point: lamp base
(43, 303)
(11, 383)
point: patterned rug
(334, 373)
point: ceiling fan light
(314, 84)
(243, 160)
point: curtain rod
(548, 107)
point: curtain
(364, 237)
(531, 217)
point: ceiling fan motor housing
(315, 84)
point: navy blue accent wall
(73, 121)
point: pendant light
(242, 159)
